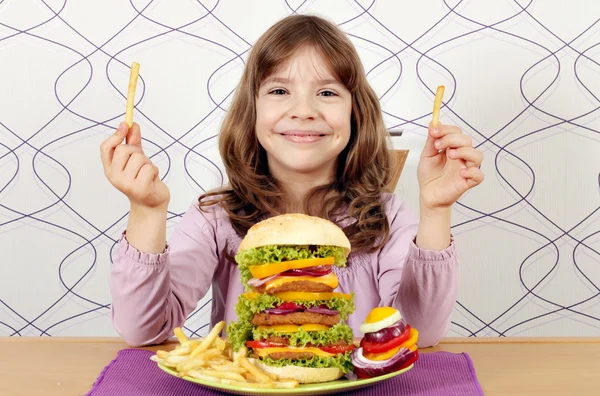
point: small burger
(389, 344)
(290, 318)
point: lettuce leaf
(342, 361)
(247, 307)
(238, 334)
(276, 254)
(337, 332)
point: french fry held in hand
(133, 77)
(211, 358)
(437, 104)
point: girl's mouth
(302, 138)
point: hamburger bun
(295, 229)
(304, 375)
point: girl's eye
(278, 91)
(327, 93)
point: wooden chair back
(399, 161)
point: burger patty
(296, 318)
(299, 286)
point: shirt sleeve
(154, 293)
(421, 284)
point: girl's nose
(303, 108)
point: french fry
(191, 365)
(437, 104)
(228, 367)
(176, 359)
(206, 355)
(180, 351)
(210, 338)
(180, 336)
(173, 361)
(199, 375)
(286, 383)
(163, 354)
(191, 344)
(259, 374)
(220, 344)
(133, 77)
(156, 359)
(237, 355)
(222, 374)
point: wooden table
(507, 366)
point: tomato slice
(337, 348)
(290, 306)
(374, 348)
(265, 270)
(262, 344)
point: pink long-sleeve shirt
(154, 293)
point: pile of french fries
(212, 359)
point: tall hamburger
(290, 318)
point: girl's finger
(135, 163)
(443, 130)
(473, 175)
(453, 140)
(147, 174)
(121, 156)
(470, 155)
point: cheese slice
(301, 296)
(294, 328)
(267, 351)
(330, 280)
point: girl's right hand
(128, 169)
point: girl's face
(303, 117)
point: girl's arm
(152, 293)
(421, 283)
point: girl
(304, 133)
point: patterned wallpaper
(521, 77)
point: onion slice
(387, 333)
(255, 282)
(322, 309)
(319, 270)
(290, 307)
(279, 311)
(365, 368)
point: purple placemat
(132, 373)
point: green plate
(324, 388)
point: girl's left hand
(449, 166)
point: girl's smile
(303, 136)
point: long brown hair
(364, 166)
